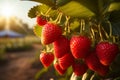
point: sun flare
(7, 10)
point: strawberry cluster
(75, 51)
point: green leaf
(41, 10)
(114, 6)
(69, 71)
(40, 73)
(75, 25)
(76, 9)
(62, 2)
(114, 18)
(115, 21)
(44, 8)
(84, 8)
(37, 30)
(47, 2)
(116, 28)
(33, 11)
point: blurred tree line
(15, 24)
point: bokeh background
(19, 47)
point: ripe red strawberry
(61, 46)
(66, 61)
(106, 52)
(59, 69)
(79, 68)
(80, 46)
(46, 58)
(41, 21)
(94, 64)
(50, 33)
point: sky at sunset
(17, 8)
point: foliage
(98, 19)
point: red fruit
(106, 52)
(61, 46)
(59, 69)
(80, 46)
(94, 64)
(41, 21)
(46, 59)
(79, 68)
(50, 33)
(66, 61)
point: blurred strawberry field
(17, 44)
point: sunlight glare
(7, 10)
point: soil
(19, 65)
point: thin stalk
(48, 11)
(81, 26)
(60, 17)
(47, 48)
(110, 26)
(99, 29)
(114, 39)
(106, 34)
(93, 34)
(67, 23)
(56, 20)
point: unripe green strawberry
(46, 58)
(79, 68)
(50, 33)
(66, 61)
(41, 21)
(94, 64)
(106, 52)
(80, 46)
(61, 46)
(59, 69)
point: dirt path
(19, 65)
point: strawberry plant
(83, 34)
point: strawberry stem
(81, 26)
(48, 11)
(60, 17)
(67, 25)
(48, 48)
(114, 40)
(106, 34)
(56, 20)
(92, 34)
(99, 29)
(110, 26)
